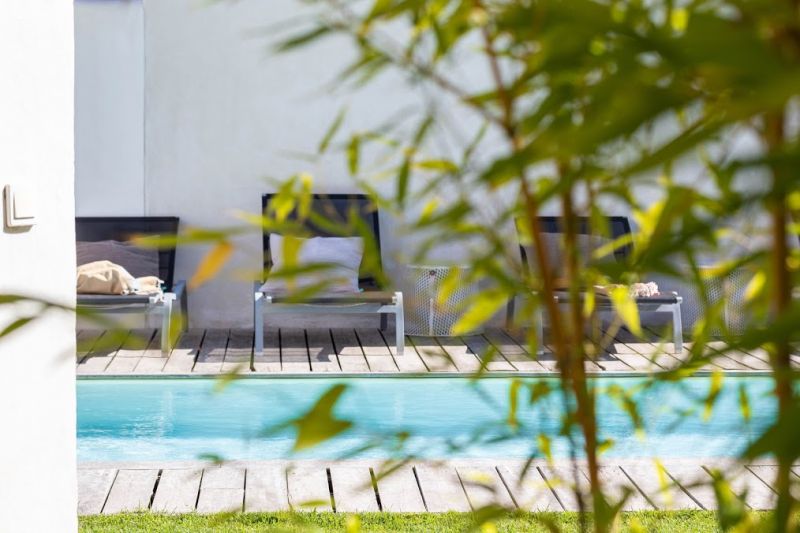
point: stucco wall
(109, 94)
(37, 381)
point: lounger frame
(123, 229)
(618, 226)
(371, 300)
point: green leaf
(319, 424)
(353, 154)
(626, 308)
(755, 286)
(403, 175)
(744, 402)
(513, 402)
(713, 393)
(16, 324)
(480, 310)
(332, 130)
(211, 264)
(437, 165)
(301, 39)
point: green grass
(650, 521)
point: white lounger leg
(399, 323)
(677, 327)
(166, 322)
(258, 322)
(538, 323)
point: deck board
(515, 354)
(441, 489)
(266, 489)
(694, 480)
(270, 360)
(212, 352)
(352, 489)
(181, 358)
(239, 351)
(484, 487)
(398, 490)
(529, 489)
(351, 356)
(308, 488)
(177, 491)
(480, 347)
(131, 491)
(659, 488)
(616, 484)
(221, 490)
(85, 340)
(562, 481)
(152, 360)
(460, 354)
(321, 351)
(294, 351)
(432, 355)
(380, 358)
(102, 353)
(93, 488)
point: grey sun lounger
(619, 226)
(92, 229)
(371, 299)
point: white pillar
(37, 362)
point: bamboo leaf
(715, 388)
(625, 306)
(353, 154)
(480, 310)
(755, 287)
(211, 264)
(16, 324)
(331, 132)
(744, 402)
(319, 423)
(513, 402)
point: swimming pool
(184, 419)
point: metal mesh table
(424, 316)
(729, 289)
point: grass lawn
(650, 521)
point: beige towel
(105, 277)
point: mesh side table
(424, 317)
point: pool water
(185, 419)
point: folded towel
(105, 277)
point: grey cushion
(139, 262)
(341, 255)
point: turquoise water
(155, 419)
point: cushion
(341, 254)
(139, 262)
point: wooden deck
(308, 352)
(360, 486)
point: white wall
(109, 94)
(37, 381)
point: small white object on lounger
(342, 254)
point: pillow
(139, 262)
(343, 254)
